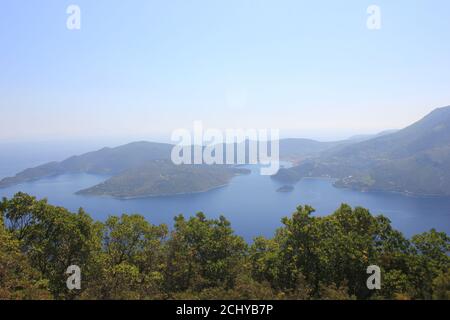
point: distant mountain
(137, 169)
(295, 148)
(144, 168)
(105, 161)
(113, 161)
(413, 160)
(363, 137)
(162, 177)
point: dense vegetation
(162, 177)
(129, 258)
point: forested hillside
(162, 177)
(127, 257)
(413, 160)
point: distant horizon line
(320, 135)
(158, 138)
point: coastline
(165, 195)
(236, 174)
(404, 193)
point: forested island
(127, 257)
(163, 178)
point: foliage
(18, 280)
(127, 257)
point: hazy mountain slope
(364, 137)
(162, 177)
(104, 161)
(296, 148)
(114, 160)
(413, 160)
(433, 131)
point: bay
(250, 202)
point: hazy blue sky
(141, 69)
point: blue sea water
(250, 202)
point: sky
(141, 69)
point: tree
(441, 286)
(322, 255)
(18, 280)
(127, 257)
(265, 260)
(132, 260)
(203, 253)
(430, 260)
(53, 239)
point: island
(163, 178)
(286, 188)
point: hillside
(112, 161)
(296, 148)
(413, 160)
(105, 161)
(162, 177)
